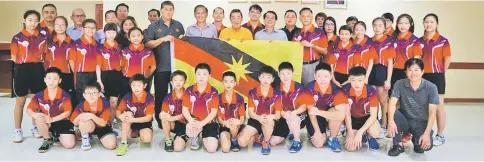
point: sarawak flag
(243, 58)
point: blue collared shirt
(99, 36)
(277, 34)
(74, 33)
(208, 31)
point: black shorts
(100, 132)
(111, 81)
(27, 77)
(438, 79)
(257, 125)
(83, 78)
(281, 128)
(321, 123)
(140, 126)
(225, 129)
(396, 75)
(341, 78)
(62, 127)
(378, 75)
(180, 130)
(67, 83)
(357, 123)
(210, 130)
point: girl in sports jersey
(367, 51)
(345, 54)
(381, 73)
(436, 57)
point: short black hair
(223, 11)
(235, 11)
(333, 20)
(388, 15)
(351, 18)
(229, 74)
(414, 61)
(198, 6)
(157, 12)
(290, 11)
(133, 29)
(357, 71)
(347, 28)
(111, 27)
(137, 77)
(203, 66)
(320, 14)
(169, 3)
(178, 73)
(89, 21)
(92, 84)
(266, 70)
(286, 65)
(256, 7)
(53, 70)
(323, 66)
(120, 5)
(31, 12)
(49, 5)
(110, 11)
(361, 23)
(305, 9)
(272, 12)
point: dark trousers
(162, 84)
(408, 125)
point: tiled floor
(465, 141)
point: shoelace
(168, 142)
(45, 143)
(265, 144)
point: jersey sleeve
(106, 114)
(75, 113)
(122, 105)
(250, 101)
(340, 98)
(100, 60)
(416, 49)
(72, 53)
(14, 49)
(357, 59)
(322, 41)
(446, 49)
(373, 100)
(331, 59)
(186, 101)
(213, 103)
(34, 104)
(165, 106)
(67, 106)
(150, 108)
(151, 60)
(278, 103)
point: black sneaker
(396, 150)
(418, 149)
(169, 145)
(46, 145)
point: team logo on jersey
(45, 106)
(395, 45)
(192, 99)
(421, 45)
(43, 32)
(133, 109)
(159, 31)
(177, 30)
(128, 56)
(222, 110)
(24, 43)
(83, 51)
(106, 56)
(316, 97)
(350, 101)
(172, 108)
(256, 102)
(336, 55)
(298, 38)
(52, 49)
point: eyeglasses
(254, 12)
(79, 16)
(59, 25)
(90, 28)
(330, 24)
(91, 94)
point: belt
(310, 62)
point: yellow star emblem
(239, 68)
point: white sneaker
(86, 144)
(439, 140)
(383, 133)
(36, 133)
(17, 136)
(194, 143)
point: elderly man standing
(78, 16)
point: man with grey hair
(78, 16)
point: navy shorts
(378, 75)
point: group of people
(78, 75)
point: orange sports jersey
(233, 109)
(173, 105)
(110, 57)
(44, 30)
(332, 45)
(344, 58)
(384, 48)
(360, 105)
(325, 100)
(28, 48)
(102, 110)
(390, 33)
(42, 103)
(294, 98)
(84, 54)
(406, 46)
(265, 105)
(137, 61)
(200, 104)
(367, 51)
(315, 36)
(434, 51)
(57, 52)
(140, 107)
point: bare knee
(68, 144)
(86, 126)
(179, 144)
(243, 141)
(109, 142)
(275, 140)
(146, 138)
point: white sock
(86, 136)
(18, 130)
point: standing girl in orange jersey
(344, 56)
(367, 51)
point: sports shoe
(36, 133)
(257, 141)
(17, 136)
(296, 147)
(333, 143)
(169, 145)
(439, 140)
(383, 133)
(266, 148)
(194, 143)
(373, 144)
(364, 138)
(46, 145)
(86, 144)
(396, 150)
(235, 146)
(122, 149)
(290, 136)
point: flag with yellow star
(243, 58)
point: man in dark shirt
(290, 29)
(254, 24)
(158, 36)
